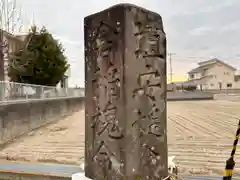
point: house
(9, 44)
(214, 74)
(64, 82)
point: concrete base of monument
(80, 176)
(171, 166)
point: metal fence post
(42, 93)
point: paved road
(200, 135)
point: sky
(196, 30)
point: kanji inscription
(125, 62)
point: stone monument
(125, 88)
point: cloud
(200, 31)
(233, 26)
(68, 41)
(199, 28)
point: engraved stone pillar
(125, 66)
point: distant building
(64, 82)
(214, 74)
(9, 44)
(178, 86)
(66, 77)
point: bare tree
(10, 16)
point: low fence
(12, 91)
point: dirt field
(200, 135)
(62, 142)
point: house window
(229, 85)
(191, 76)
(212, 85)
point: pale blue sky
(196, 29)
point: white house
(214, 74)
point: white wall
(215, 75)
(220, 74)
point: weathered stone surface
(125, 62)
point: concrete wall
(22, 117)
(194, 95)
(223, 91)
(227, 97)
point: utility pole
(170, 64)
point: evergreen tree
(41, 61)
